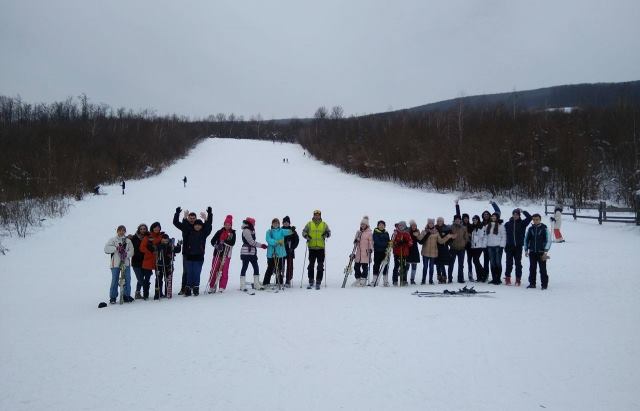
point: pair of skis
(462, 292)
(217, 265)
(387, 257)
(349, 268)
(167, 270)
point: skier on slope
(148, 246)
(402, 243)
(537, 243)
(515, 229)
(316, 232)
(276, 252)
(166, 251)
(248, 253)
(193, 249)
(380, 243)
(429, 240)
(557, 224)
(138, 256)
(458, 247)
(224, 236)
(364, 247)
(496, 240)
(414, 254)
(290, 244)
(121, 250)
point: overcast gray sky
(286, 58)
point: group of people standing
(480, 241)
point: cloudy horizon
(286, 58)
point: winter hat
(317, 212)
(228, 219)
(431, 221)
(198, 222)
(441, 219)
(286, 219)
(412, 222)
(402, 225)
(251, 221)
(365, 221)
(154, 225)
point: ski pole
(325, 263)
(304, 262)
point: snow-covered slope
(575, 346)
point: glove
(280, 242)
(178, 209)
(209, 210)
(263, 246)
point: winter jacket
(414, 254)
(429, 241)
(113, 245)
(496, 240)
(275, 241)
(402, 243)
(184, 227)
(479, 237)
(365, 246)
(148, 247)
(249, 243)
(557, 220)
(380, 240)
(462, 237)
(223, 236)
(138, 256)
(315, 233)
(291, 242)
(515, 230)
(195, 244)
(537, 239)
(444, 244)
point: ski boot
(256, 283)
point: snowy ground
(575, 346)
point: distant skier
(380, 243)
(121, 250)
(557, 224)
(184, 181)
(248, 253)
(290, 244)
(316, 232)
(122, 184)
(96, 190)
(537, 243)
(364, 247)
(223, 238)
(515, 229)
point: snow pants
(361, 269)
(215, 266)
(535, 259)
(513, 255)
(378, 257)
(274, 266)
(316, 255)
(289, 270)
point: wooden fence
(606, 213)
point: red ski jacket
(402, 244)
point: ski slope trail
(575, 346)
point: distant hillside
(597, 95)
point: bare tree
(321, 113)
(337, 112)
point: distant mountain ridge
(573, 95)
